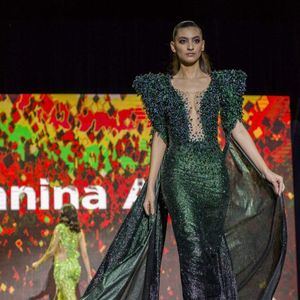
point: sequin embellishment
(195, 189)
(192, 103)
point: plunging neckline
(180, 92)
(193, 103)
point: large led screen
(94, 151)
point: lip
(190, 54)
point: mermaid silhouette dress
(229, 225)
(67, 270)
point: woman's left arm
(50, 251)
(242, 136)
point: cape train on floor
(255, 231)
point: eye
(197, 41)
(181, 41)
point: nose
(190, 45)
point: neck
(190, 72)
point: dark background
(81, 47)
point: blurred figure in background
(64, 244)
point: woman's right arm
(150, 86)
(158, 149)
(84, 254)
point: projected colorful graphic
(94, 151)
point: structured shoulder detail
(230, 73)
(232, 80)
(232, 85)
(151, 87)
(143, 82)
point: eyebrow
(183, 37)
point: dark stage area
(86, 48)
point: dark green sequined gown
(228, 223)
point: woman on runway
(67, 236)
(226, 205)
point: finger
(283, 187)
(281, 184)
(276, 187)
(145, 208)
(278, 184)
(152, 209)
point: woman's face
(188, 45)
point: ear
(172, 45)
(203, 45)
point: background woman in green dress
(67, 237)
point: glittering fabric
(216, 198)
(192, 102)
(67, 271)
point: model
(226, 205)
(66, 239)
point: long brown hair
(69, 217)
(204, 62)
